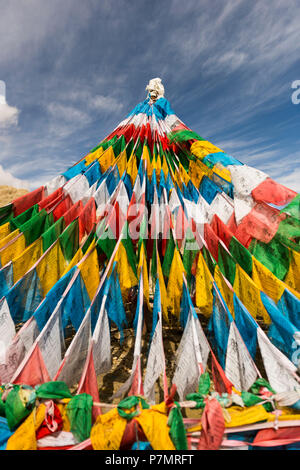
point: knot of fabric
(198, 398)
(177, 430)
(203, 390)
(50, 421)
(131, 403)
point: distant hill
(8, 194)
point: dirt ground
(8, 194)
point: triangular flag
(240, 367)
(213, 426)
(221, 382)
(34, 372)
(156, 357)
(135, 378)
(88, 382)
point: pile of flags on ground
(50, 417)
(155, 226)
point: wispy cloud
(105, 103)
(7, 179)
(8, 115)
(291, 180)
(75, 69)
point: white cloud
(291, 180)
(252, 41)
(67, 113)
(83, 97)
(266, 157)
(8, 115)
(7, 179)
(101, 102)
(25, 24)
(76, 109)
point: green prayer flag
(210, 262)
(69, 240)
(6, 213)
(79, 412)
(18, 221)
(293, 208)
(226, 264)
(177, 429)
(241, 255)
(190, 251)
(274, 255)
(53, 390)
(51, 235)
(169, 254)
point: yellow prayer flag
(201, 148)
(22, 263)
(240, 417)
(151, 421)
(122, 162)
(4, 230)
(90, 158)
(24, 437)
(93, 156)
(162, 287)
(223, 172)
(174, 289)
(225, 290)
(75, 260)
(287, 414)
(132, 168)
(90, 271)
(204, 296)
(185, 177)
(243, 416)
(63, 411)
(196, 173)
(13, 249)
(108, 430)
(292, 278)
(8, 238)
(154, 164)
(266, 281)
(99, 152)
(126, 275)
(51, 267)
(249, 294)
(143, 266)
(107, 159)
(176, 177)
(146, 157)
(165, 167)
(158, 167)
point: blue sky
(74, 69)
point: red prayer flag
(137, 384)
(73, 212)
(221, 382)
(213, 426)
(221, 230)
(272, 192)
(88, 382)
(23, 203)
(34, 371)
(261, 223)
